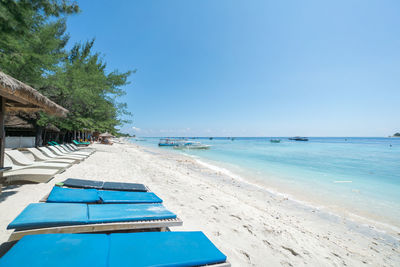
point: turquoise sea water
(353, 176)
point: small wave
(351, 217)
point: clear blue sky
(252, 68)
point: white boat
(192, 145)
(171, 142)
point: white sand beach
(248, 224)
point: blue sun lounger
(93, 184)
(72, 195)
(114, 250)
(38, 218)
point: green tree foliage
(32, 37)
(82, 85)
(32, 50)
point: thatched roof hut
(22, 97)
(15, 123)
(16, 96)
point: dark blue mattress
(118, 186)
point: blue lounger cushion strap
(44, 215)
(73, 195)
(118, 249)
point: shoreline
(314, 202)
(308, 203)
(356, 220)
(319, 213)
(251, 226)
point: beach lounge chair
(40, 218)
(115, 250)
(66, 150)
(27, 174)
(49, 153)
(117, 186)
(73, 195)
(80, 143)
(86, 150)
(76, 147)
(19, 158)
(56, 150)
(39, 156)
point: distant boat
(192, 145)
(298, 138)
(170, 142)
(275, 140)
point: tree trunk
(39, 139)
(45, 139)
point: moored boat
(170, 142)
(192, 145)
(298, 138)
(275, 140)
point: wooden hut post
(2, 136)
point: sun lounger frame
(156, 225)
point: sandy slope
(251, 226)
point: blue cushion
(163, 249)
(41, 215)
(124, 186)
(72, 182)
(99, 213)
(68, 195)
(125, 249)
(128, 197)
(61, 250)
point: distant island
(396, 135)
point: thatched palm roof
(15, 122)
(22, 97)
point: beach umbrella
(106, 134)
